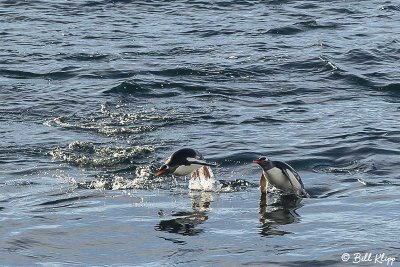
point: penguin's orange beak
(257, 161)
(161, 172)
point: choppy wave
(302, 26)
(154, 89)
(391, 88)
(128, 88)
(120, 85)
(65, 73)
(391, 7)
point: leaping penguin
(186, 161)
(282, 176)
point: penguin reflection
(277, 210)
(186, 223)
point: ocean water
(95, 95)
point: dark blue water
(94, 95)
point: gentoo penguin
(282, 176)
(186, 161)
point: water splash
(205, 184)
(123, 114)
(349, 168)
(116, 183)
(144, 179)
(204, 180)
(97, 125)
(89, 154)
(111, 120)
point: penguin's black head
(164, 169)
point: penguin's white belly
(184, 170)
(278, 179)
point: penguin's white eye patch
(164, 167)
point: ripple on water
(62, 74)
(144, 90)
